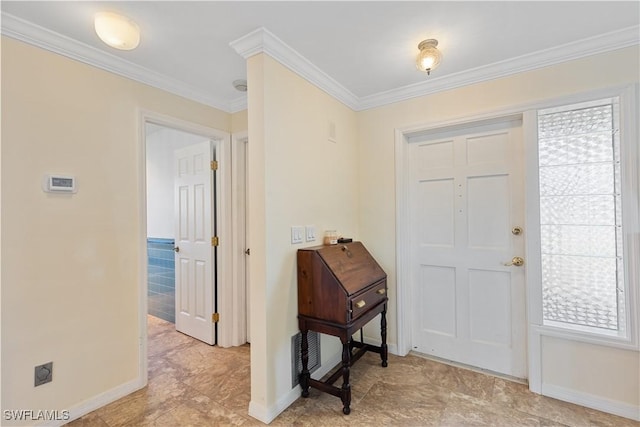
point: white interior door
(195, 281)
(465, 199)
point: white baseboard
(98, 401)
(599, 403)
(266, 414)
(260, 412)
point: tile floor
(193, 384)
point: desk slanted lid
(352, 264)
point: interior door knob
(176, 249)
(516, 260)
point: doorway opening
(220, 311)
(181, 212)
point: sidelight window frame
(626, 336)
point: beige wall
(239, 121)
(71, 263)
(296, 177)
(592, 369)
(377, 194)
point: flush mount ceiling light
(429, 57)
(116, 30)
(240, 85)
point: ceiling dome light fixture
(116, 30)
(429, 57)
(240, 85)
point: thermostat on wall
(60, 184)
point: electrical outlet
(43, 374)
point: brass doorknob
(516, 260)
(176, 249)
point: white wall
(161, 143)
(296, 177)
(71, 264)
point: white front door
(195, 281)
(465, 198)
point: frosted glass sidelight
(570, 150)
(573, 122)
(573, 290)
(580, 216)
(582, 240)
(577, 210)
(574, 180)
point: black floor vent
(296, 355)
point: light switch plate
(310, 233)
(297, 234)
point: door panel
(490, 307)
(200, 294)
(182, 292)
(200, 213)
(488, 211)
(434, 155)
(437, 219)
(468, 305)
(195, 281)
(437, 300)
(487, 149)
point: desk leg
(383, 335)
(345, 392)
(304, 375)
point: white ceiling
(365, 49)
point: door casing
(228, 314)
(240, 295)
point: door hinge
(215, 241)
(214, 165)
(215, 317)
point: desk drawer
(361, 303)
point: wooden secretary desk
(340, 289)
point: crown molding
(43, 38)
(263, 41)
(614, 40)
(250, 44)
(238, 104)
